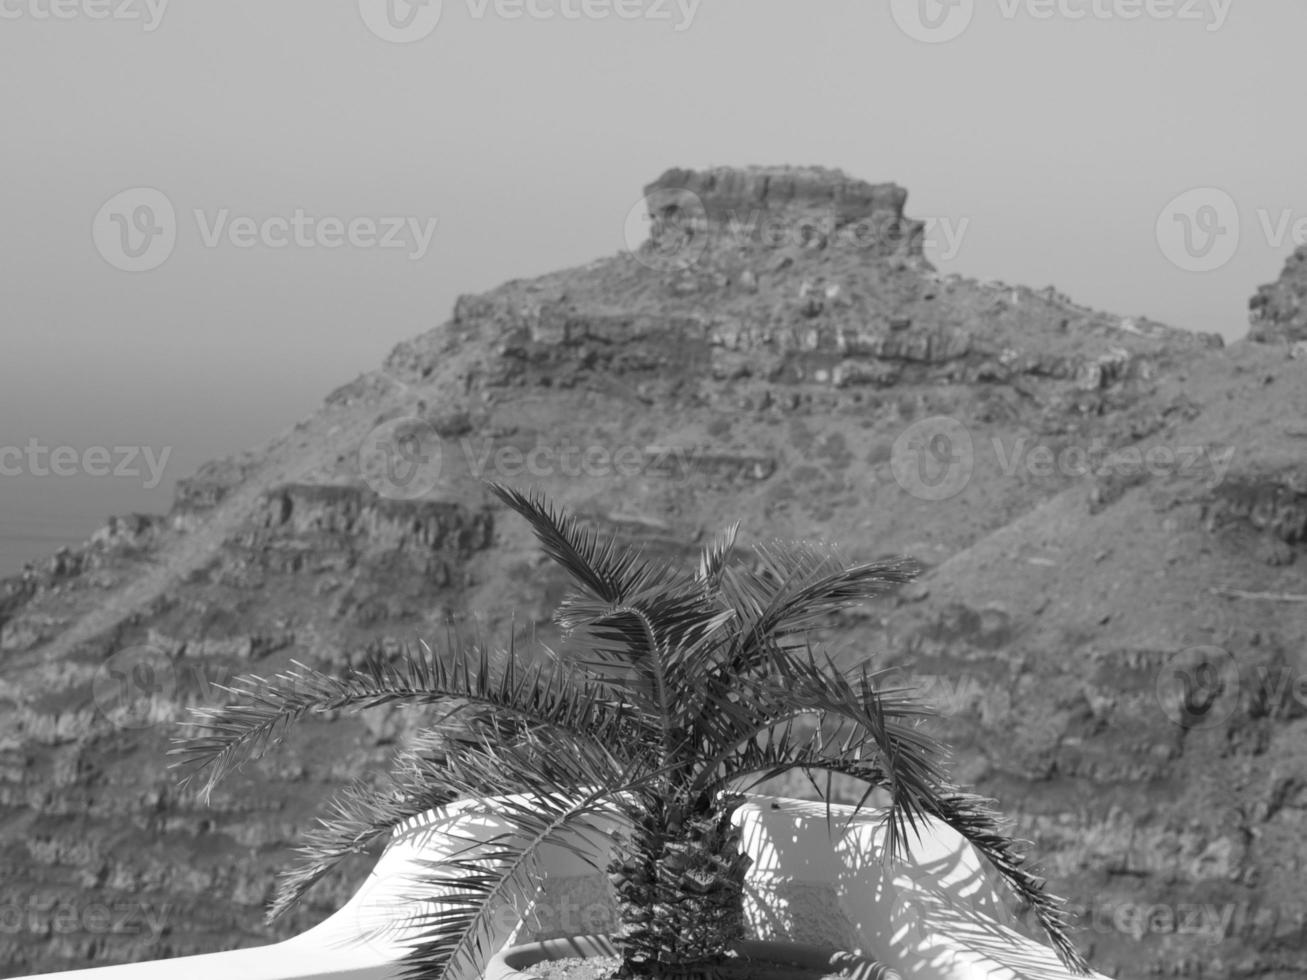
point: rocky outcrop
(1271, 501)
(1276, 310)
(132, 531)
(782, 206)
(349, 530)
(375, 523)
(196, 496)
(549, 342)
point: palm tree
(675, 690)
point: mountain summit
(1112, 514)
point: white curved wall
(932, 918)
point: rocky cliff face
(1108, 509)
(812, 206)
(1276, 309)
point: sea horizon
(34, 534)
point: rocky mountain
(1112, 514)
(1276, 308)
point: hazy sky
(1055, 135)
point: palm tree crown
(674, 689)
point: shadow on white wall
(936, 915)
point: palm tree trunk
(680, 905)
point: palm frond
(975, 819)
(469, 886)
(713, 558)
(853, 706)
(604, 568)
(366, 811)
(799, 585)
(781, 752)
(357, 818)
(637, 638)
(827, 733)
(636, 647)
(778, 603)
(231, 735)
(910, 757)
